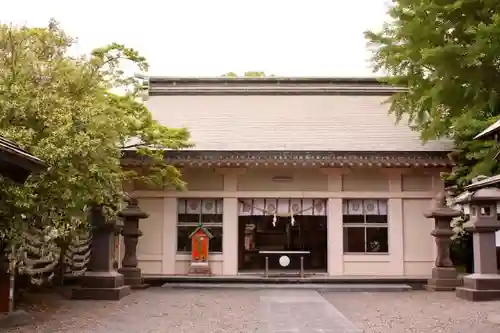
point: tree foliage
(62, 110)
(448, 55)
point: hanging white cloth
(282, 207)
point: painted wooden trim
(284, 194)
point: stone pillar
(117, 233)
(484, 283)
(101, 281)
(444, 274)
(131, 233)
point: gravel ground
(417, 311)
(153, 310)
(241, 311)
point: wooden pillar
(4, 281)
(169, 248)
(230, 221)
(335, 231)
(396, 221)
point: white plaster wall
(303, 180)
(419, 246)
(149, 248)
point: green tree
(246, 74)
(447, 53)
(62, 110)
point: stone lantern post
(444, 273)
(101, 281)
(131, 233)
(484, 283)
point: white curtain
(271, 206)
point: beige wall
(262, 180)
(409, 192)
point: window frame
(365, 225)
(196, 223)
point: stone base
(443, 279)
(140, 286)
(200, 269)
(132, 277)
(101, 294)
(480, 287)
(111, 279)
(101, 286)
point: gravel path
(155, 310)
(264, 311)
(417, 311)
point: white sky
(212, 37)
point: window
(365, 226)
(190, 212)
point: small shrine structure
(200, 241)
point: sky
(212, 37)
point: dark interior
(258, 233)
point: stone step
(310, 286)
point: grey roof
(16, 163)
(484, 182)
(490, 130)
(11, 147)
(284, 114)
(164, 85)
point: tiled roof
(298, 159)
(163, 86)
(16, 163)
(494, 128)
(334, 114)
(11, 147)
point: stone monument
(444, 273)
(131, 233)
(101, 281)
(484, 283)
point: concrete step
(309, 286)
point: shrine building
(286, 168)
